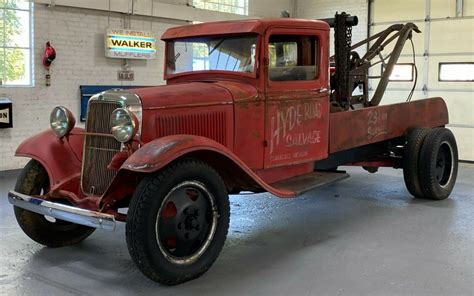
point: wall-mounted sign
(6, 113)
(130, 44)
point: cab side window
(293, 58)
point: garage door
(444, 58)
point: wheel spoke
(203, 231)
(181, 200)
(192, 194)
(171, 243)
(443, 164)
(169, 210)
(440, 163)
(184, 247)
(185, 221)
(201, 203)
(175, 234)
(167, 229)
(439, 175)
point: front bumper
(62, 212)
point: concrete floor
(363, 236)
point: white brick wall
(270, 8)
(316, 9)
(77, 35)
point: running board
(305, 183)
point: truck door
(297, 96)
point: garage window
(15, 43)
(401, 72)
(456, 72)
(229, 6)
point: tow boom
(352, 70)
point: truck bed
(355, 128)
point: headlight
(124, 125)
(62, 121)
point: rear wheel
(411, 156)
(33, 180)
(438, 164)
(177, 222)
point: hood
(194, 93)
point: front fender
(158, 153)
(61, 158)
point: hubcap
(186, 222)
(444, 164)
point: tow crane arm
(352, 70)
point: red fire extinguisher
(48, 58)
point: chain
(343, 38)
(349, 36)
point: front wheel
(177, 222)
(47, 231)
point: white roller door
(446, 41)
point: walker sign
(130, 44)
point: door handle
(322, 90)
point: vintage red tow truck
(253, 105)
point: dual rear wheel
(430, 163)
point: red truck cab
(261, 90)
(246, 107)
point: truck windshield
(225, 53)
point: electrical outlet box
(126, 75)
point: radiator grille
(98, 149)
(209, 125)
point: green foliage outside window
(12, 58)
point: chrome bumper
(62, 212)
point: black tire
(411, 156)
(438, 164)
(154, 232)
(33, 180)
